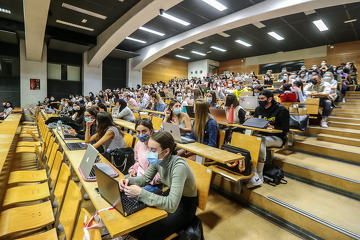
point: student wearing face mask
(144, 130)
(303, 76)
(121, 111)
(298, 88)
(53, 103)
(173, 114)
(281, 74)
(278, 117)
(7, 109)
(257, 90)
(210, 98)
(239, 112)
(180, 201)
(268, 80)
(78, 113)
(89, 114)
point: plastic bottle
(58, 125)
(231, 114)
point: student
(257, 90)
(78, 113)
(102, 107)
(174, 115)
(239, 112)
(180, 201)
(298, 88)
(210, 98)
(122, 111)
(278, 117)
(107, 133)
(157, 103)
(89, 114)
(88, 102)
(144, 130)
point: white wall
(92, 77)
(133, 77)
(28, 70)
(201, 67)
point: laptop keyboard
(92, 173)
(130, 205)
(75, 146)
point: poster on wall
(34, 84)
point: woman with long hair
(211, 99)
(122, 111)
(174, 115)
(239, 112)
(89, 114)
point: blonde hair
(201, 117)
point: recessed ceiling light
(224, 34)
(219, 49)
(181, 48)
(84, 20)
(84, 11)
(276, 36)
(199, 42)
(5, 10)
(74, 25)
(320, 25)
(175, 19)
(152, 31)
(216, 4)
(209, 52)
(243, 43)
(259, 25)
(135, 40)
(179, 56)
(309, 12)
(199, 53)
(352, 20)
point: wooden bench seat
(233, 176)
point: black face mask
(313, 81)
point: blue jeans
(153, 188)
(326, 105)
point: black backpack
(121, 158)
(243, 167)
(274, 176)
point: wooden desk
(47, 116)
(250, 130)
(203, 151)
(125, 124)
(116, 223)
(147, 110)
(319, 95)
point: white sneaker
(254, 181)
(343, 100)
(324, 124)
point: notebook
(218, 114)
(86, 168)
(174, 129)
(249, 102)
(256, 122)
(110, 191)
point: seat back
(84, 217)
(202, 176)
(221, 137)
(32, 134)
(143, 115)
(61, 184)
(40, 157)
(70, 209)
(49, 147)
(54, 171)
(51, 159)
(157, 122)
(136, 115)
(129, 140)
(248, 142)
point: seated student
(88, 102)
(278, 117)
(316, 86)
(210, 98)
(7, 109)
(131, 102)
(142, 101)
(157, 103)
(78, 113)
(102, 107)
(180, 201)
(144, 130)
(53, 103)
(268, 80)
(334, 93)
(257, 90)
(239, 112)
(108, 134)
(174, 115)
(122, 111)
(89, 114)
(298, 88)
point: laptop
(65, 134)
(256, 122)
(76, 146)
(249, 102)
(174, 129)
(277, 84)
(190, 111)
(248, 81)
(262, 82)
(110, 191)
(87, 164)
(218, 114)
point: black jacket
(278, 116)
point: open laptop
(249, 102)
(110, 191)
(190, 111)
(248, 81)
(87, 164)
(76, 145)
(65, 134)
(277, 84)
(256, 122)
(218, 114)
(174, 129)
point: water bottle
(58, 125)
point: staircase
(322, 196)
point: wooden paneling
(237, 66)
(164, 69)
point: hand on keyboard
(132, 191)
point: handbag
(287, 97)
(243, 166)
(274, 176)
(192, 232)
(121, 158)
(300, 122)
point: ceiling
(297, 29)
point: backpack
(121, 158)
(274, 176)
(244, 166)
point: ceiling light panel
(259, 25)
(135, 40)
(276, 36)
(198, 53)
(175, 19)
(216, 4)
(84, 11)
(243, 43)
(5, 10)
(320, 25)
(152, 31)
(310, 12)
(224, 34)
(350, 21)
(199, 42)
(219, 49)
(180, 56)
(74, 25)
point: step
(348, 115)
(321, 170)
(353, 92)
(221, 213)
(339, 139)
(344, 132)
(345, 110)
(344, 125)
(347, 104)
(332, 150)
(324, 213)
(352, 100)
(343, 119)
(357, 107)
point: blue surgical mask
(179, 99)
(87, 119)
(256, 94)
(237, 87)
(96, 101)
(143, 137)
(284, 70)
(293, 76)
(339, 71)
(153, 157)
(303, 68)
(80, 99)
(285, 78)
(302, 75)
(262, 103)
(75, 108)
(62, 103)
(52, 99)
(177, 110)
(209, 99)
(254, 86)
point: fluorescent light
(199, 53)
(352, 20)
(243, 43)
(84, 20)
(181, 48)
(5, 10)
(309, 12)
(135, 40)
(152, 31)
(199, 42)
(179, 56)
(276, 36)
(74, 25)
(217, 48)
(320, 25)
(215, 4)
(175, 19)
(224, 34)
(259, 25)
(80, 10)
